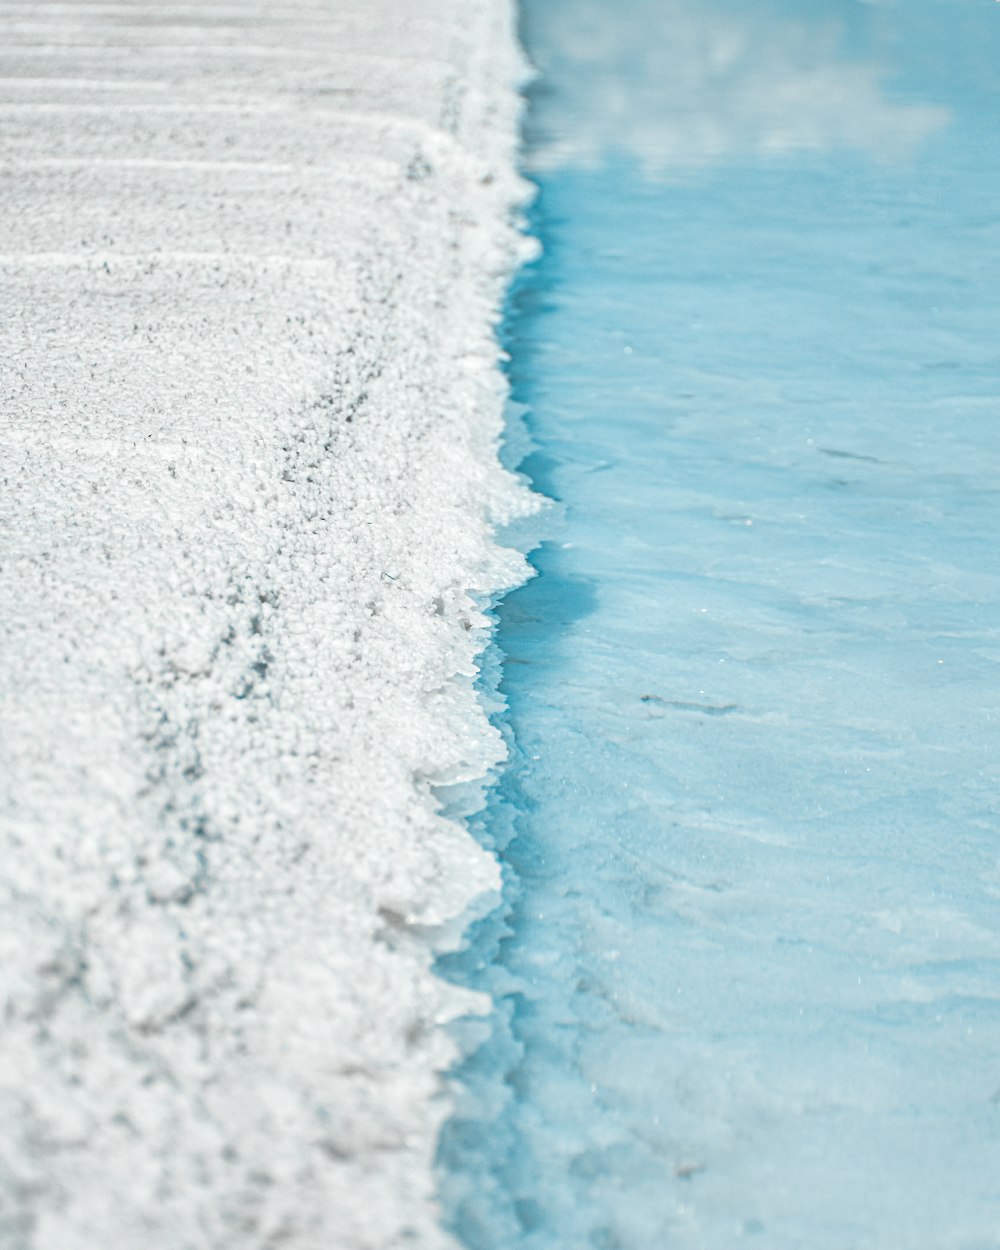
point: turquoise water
(747, 974)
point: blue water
(747, 972)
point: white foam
(251, 400)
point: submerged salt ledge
(251, 400)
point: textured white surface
(250, 260)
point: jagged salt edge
(474, 890)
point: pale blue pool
(747, 981)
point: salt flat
(250, 261)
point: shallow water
(748, 972)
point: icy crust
(251, 261)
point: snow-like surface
(251, 257)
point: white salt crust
(251, 260)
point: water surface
(748, 972)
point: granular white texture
(251, 259)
